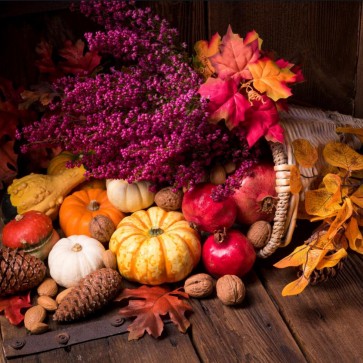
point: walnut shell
(259, 233)
(35, 314)
(101, 228)
(199, 285)
(230, 290)
(169, 199)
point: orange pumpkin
(79, 208)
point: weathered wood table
(323, 324)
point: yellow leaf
(295, 258)
(270, 78)
(305, 154)
(351, 130)
(295, 287)
(342, 156)
(354, 236)
(357, 197)
(321, 203)
(342, 216)
(332, 183)
(332, 260)
(295, 180)
(204, 50)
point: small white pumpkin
(73, 258)
(129, 197)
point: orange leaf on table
(332, 260)
(313, 258)
(270, 78)
(342, 216)
(305, 154)
(148, 304)
(342, 156)
(204, 50)
(12, 307)
(295, 258)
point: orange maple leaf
(204, 50)
(148, 304)
(270, 78)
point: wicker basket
(318, 127)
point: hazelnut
(101, 228)
(109, 259)
(199, 285)
(259, 233)
(169, 199)
(35, 314)
(48, 287)
(230, 290)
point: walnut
(259, 233)
(101, 228)
(230, 290)
(169, 199)
(199, 285)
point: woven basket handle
(282, 169)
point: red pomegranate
(256, 197)
(199, 208)
(233, 255)
(31, 231)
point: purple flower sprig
(142, 119)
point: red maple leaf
(235, 55)
(148, 304)
(12, 307)
(225, 101)
(75, 60)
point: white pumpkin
(73, 258)
(129, 197)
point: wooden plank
(326, 319)
(253, 332)
(358, 101)
(320, 35)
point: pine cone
(19, 271)
(93, 292)
(324, 274)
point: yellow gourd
(44, 193)
(58, 164)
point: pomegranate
(32, 231)
(256, 197)
(233, 254)
(199, 208)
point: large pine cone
(93, 292)
(19, 271)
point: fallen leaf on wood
(12, 307)
(149, 304)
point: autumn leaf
(45, 64)
(149, 304)
(295, 258)
(12, 307)
(270, 78)
(42, 93)
(75, 60)
(313, 258)
(343, 156)
(204, 50)
(357, 197)
(325, 202)
(351, 130)
(342, 216)
(234, 56)
(295, 180)
(354, 236)
(305, 154)
(225, 102)
(332, 260)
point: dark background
(323, 36)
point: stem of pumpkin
(93, 205)
(77, 247)
(155, 231)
